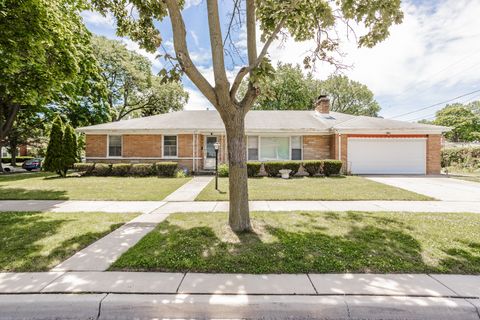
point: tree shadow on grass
(29, 194)
(20, 234)
(382, 246)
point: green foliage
(331, 167)
(273, 167)
(132, 89)
(120, 169)
(223, 170)
(84, 168)
(464, 122)
(102, 169)
(179, 173)
(313, 167)
(291, 89)
(461, 157)
(166, 169)
(70, 147)
(55, 157)
(142, 169)
(253, 168)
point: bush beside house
(163, 169)
(461, 157)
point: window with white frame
(252, 149)
(274, 148)
(114, 146)
(296, 147)
(169, 146)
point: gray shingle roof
(260, 121)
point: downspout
(193, 152)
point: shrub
(142, 169)
(330, 167)
(272, 168)
(166, 169)
(253, 168)
(120, 169)
(461, 157)
(101, 169)
(55, 157)
(312, 167)
(223, 170)
(85, 168)
(181, 173)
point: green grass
(333, 188)
(312, 242)
(39, 241)
(45, 186)
(465, 174)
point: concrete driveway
(441, 188)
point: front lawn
(32, 241)
(465, 174)
(333, 188)
(45, 186)
(311, 242)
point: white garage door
(386, 155)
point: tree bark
(9, 113)
(13, 151)
(239, 215)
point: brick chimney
(322, 105)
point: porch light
(216, 145)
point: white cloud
(98, 20)
(196, 100)
(191, 3)
(133, 46)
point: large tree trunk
(13, 152)
(239, 215)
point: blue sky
(434, 56)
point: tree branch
(183, 56)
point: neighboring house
(366, 145)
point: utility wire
(436, 104)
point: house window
(296, 146)
(275, 148)
(252, 148)
(169, 146)
(114, 146)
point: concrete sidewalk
(126, 295)
(161, 207)
(190, 190)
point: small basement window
(114, 146)
(170, 146)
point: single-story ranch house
(366, 145)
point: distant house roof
(262, 121)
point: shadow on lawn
(21, 235)
(382, 246)
(28, 194)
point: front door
(209, 162)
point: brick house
(367, 145)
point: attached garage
(369, 155)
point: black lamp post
(216, 145)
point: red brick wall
(96, 145)
(317, 147)
(185, 145)
(434, 146)
(142, 146)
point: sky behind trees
(434, 56)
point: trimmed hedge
(253, 168)
(142, 169)
(331, 167)
(85, 168)
(102, 169)
(18, 159)
(273, 167)
(166, 169)
(121, 169)
(461, 157)
(313, 167)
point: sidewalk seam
(181, 281)
(100, 306)
(311, 282)
(62, 273)
(432, 277)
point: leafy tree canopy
(292, 89)
(464, 122)
(132, 89)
